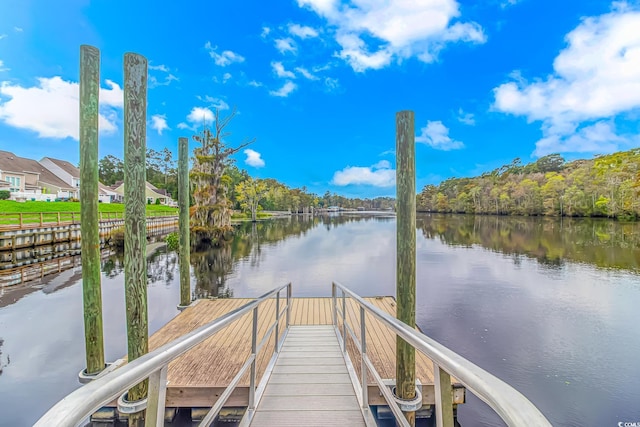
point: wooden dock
(310, 382)
(197, 378)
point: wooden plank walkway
(197, 378)
(310, 384)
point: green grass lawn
(10, 207)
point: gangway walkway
(309, 383)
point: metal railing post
(252, 385)
(444, 400)
(344, 322)
(334, 307)
(277, 320)
(156, 398)
(288, 304)
(363, 365)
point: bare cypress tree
(211, 213)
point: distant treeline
(606, 186)
(162, 173)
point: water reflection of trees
(161, 266)
(213, 266)
(604, 243)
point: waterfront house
(151, 191)
(70, 174)
(27, 179)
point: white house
(27, 179)
(70, 174)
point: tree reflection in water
(601, 242)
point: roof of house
(11, 163)
(66, 166)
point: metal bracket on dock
(409, 405)
(127, 407)
(85, 378)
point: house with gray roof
(70, 174)
(27, 179)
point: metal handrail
(513, 407)
(80, 404)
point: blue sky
(318, 82)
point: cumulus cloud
(159, 123)
(253, 158)
(393, 29)
(198, 116)
(51, 108)
(303, 32)
(255, 83)
(225, 58)
(285, 90)
(286, 45)
(280, 71)
(596, 78)
(265, 32)
(379, 175)
(436, 135)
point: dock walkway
(309, 382)
(197, 378)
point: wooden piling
(90, 245)
(183, 222)
(406, 254)
(135, 231)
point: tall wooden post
(135, 232)
(183, 223)
(406, 254)
(90, 245)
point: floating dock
(198, 378)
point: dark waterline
(549, 306)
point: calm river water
(550, 306)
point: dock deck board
(197, 378)
(282, 405)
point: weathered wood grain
(183, 222)
(406, 253)
(135, 240)
(90, 244)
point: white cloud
(285, 90)
(215, 103)
(18, 29)
(2, 36)
(599, 137)
(265, 32)
(397, 29)
(596, 77)
(278, 68)
(225, 58)
(302, 31)
(253, 158)
(255, 83)
(226, 77)
(166, 76)
(306, 74)
(436, 135)
(198, 117)
(379, 175)
(159, 123)
(51, 108)
(286, 45)
(466, 118)
(2, 67)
